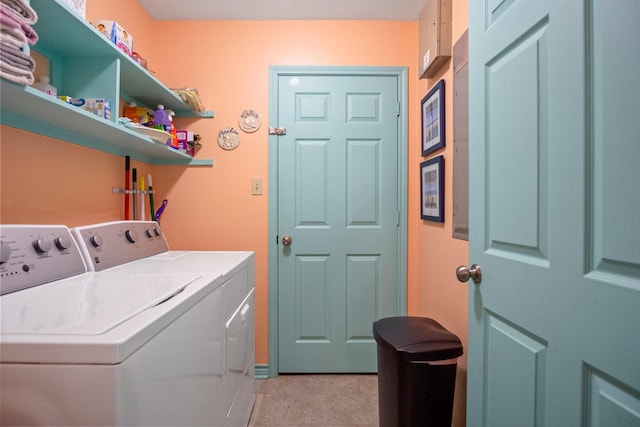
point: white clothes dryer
(106, 247)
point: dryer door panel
(239, 361)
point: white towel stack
(16, 32)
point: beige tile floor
(326, 400)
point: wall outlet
(256, 186)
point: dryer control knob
(96, 240)
(63, 243)
(42, 245)
(5, 252)
(131, 236)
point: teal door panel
(554, 144)
(338, 200)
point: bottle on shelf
(161, 119)
(173, 132)
(43, 85)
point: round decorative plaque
(250, 121)
(228, 138)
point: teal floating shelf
(87, 65)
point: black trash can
(416, 372)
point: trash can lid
(417, 338)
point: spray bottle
(161, 119)
(172, 131)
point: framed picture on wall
(433, 126)
(432, 189)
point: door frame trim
(275, 72)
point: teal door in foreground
(554, 138)
(338, 217)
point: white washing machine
(106, 248)
(80, 347)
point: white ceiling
(394, 10)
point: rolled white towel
(14, 36)
(16, 74)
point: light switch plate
(256, 186)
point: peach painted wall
(434, 255)
(44, 180)
(228, 61)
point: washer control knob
(42, 245)
(131, 236)
(149, 233)
(63, 243)
(5, 252)
(157, 232)
(96, 241)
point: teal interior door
(338, 218)
(554, 213)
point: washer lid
(88, 304)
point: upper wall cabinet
(434, 37)
(84, 64)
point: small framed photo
(432, 189)
(433, 126)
